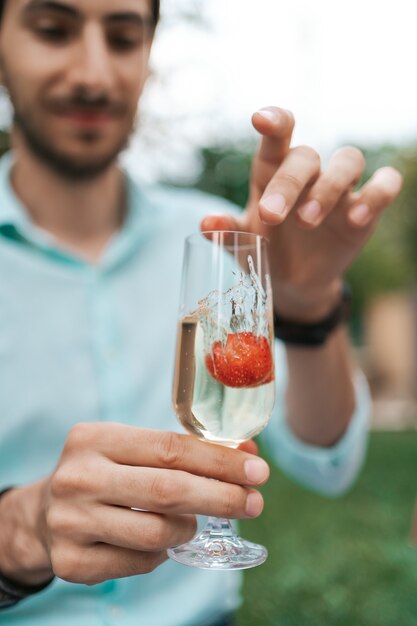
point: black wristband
(12, 592)
(313, 335)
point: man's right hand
(79, 524)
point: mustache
(88, 103)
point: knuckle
(334, 186)
(354, 154)
(81, 436)
(222, 463)
(291, 181)
(171, 449)
(62, 483)
(309, 153)
(384, 196)
(65, 563)
(166, 491)
(234, 503)
(57, 521)
(156, 536)
(338, 187)
(69, 481)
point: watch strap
(314, 334)
(12, 592)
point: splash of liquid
(242, 308)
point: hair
(155, 10)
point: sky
(346, 70)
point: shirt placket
(108, 347)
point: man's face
(74, 70)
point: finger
(299, 169)
(220, 222)
(276, 125)
(90, 565)
(384, 186)
(138, 530)
(345, 169)
(177, 493)
(249, 446)
(128, 445)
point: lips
(87, 118)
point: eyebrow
(61, 7)
(51, 5)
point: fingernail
(257, 471)
(268, 114)
(360, 214)
(254, 504)
(310, 212)
(275, 204)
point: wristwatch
(12, 592)
(314, 335)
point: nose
(91, 65)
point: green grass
(343, 562)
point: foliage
(387, 262)
(339, 562)
(225, 172)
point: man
(90, 267)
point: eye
(52, 31)
(127, 37)
(124, 43)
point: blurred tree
(388, 262)
(225, 172)
(407, 163)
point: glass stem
(219, 527)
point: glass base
(218, 547)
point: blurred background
(347, 71)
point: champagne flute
(224, 387)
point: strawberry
(244, 361)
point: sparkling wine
(209, 408)
(224, 368)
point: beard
(73, 168)
(68, 167)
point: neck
(81, 216)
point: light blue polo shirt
(96, 343)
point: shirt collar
(138, 222)
(11, 209)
